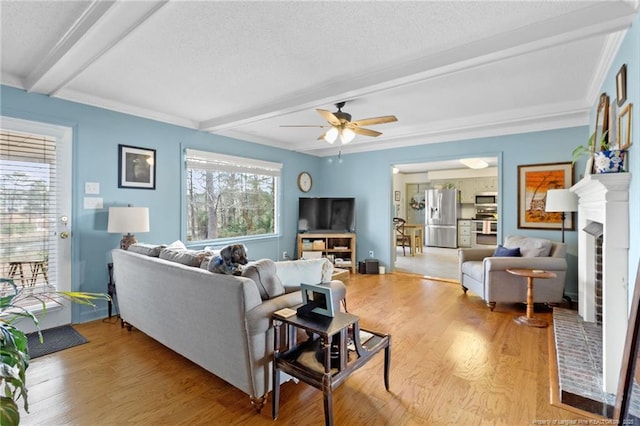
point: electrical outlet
(371, 254)
(285, 255)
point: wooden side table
(530, 274)
(299, 360)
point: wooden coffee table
(530, 274)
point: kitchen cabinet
(487, 184)
(467, 191)
(464, 232)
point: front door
(35, 211)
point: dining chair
(402, 239)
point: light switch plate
(92, 203)
(91, 187)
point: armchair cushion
(529, 247)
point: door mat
(54, 340)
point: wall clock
(304, 181)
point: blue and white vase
(609, 161)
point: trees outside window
(230, 196)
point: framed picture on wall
(136, 167)
(624, 127)
(533, 182)
(621, 85)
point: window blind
(204, 160)
(28, 194)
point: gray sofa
(219, 322)
(486, 275)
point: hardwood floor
(452, 362)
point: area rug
(54, 340)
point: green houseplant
(14, 352)
(605, 160)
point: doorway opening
(417, 190)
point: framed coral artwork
(533, 182)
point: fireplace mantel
(604, 198)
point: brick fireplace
(603, 244)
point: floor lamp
(563, 201)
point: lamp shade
(125, 220)
(561, 200)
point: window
(230, 196)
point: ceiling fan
(341, 125)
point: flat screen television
(326, 214)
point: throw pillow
(177, 244)
(184, 256)
(529, 246)
(152, 250)
(263, 273)
(506, 252)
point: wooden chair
(402, 239)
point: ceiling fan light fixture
(347, 135)
(331, 135)
(474, 163)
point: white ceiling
(447, 69)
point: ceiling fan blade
(365, 132)
(375, 120)
(328, 115)
(301, 125)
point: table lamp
(125, 220)
(561, 200)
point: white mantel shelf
(609, 182)
(604, 198)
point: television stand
(339, 248)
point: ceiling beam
(601, 18)
(102, 26)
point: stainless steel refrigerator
(442, 209)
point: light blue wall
(629, 54)
(366, 176)
(370, 178)
(97, 133)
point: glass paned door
(35, 177)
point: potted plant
(14, 352)
(605, 160)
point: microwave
(486, 198)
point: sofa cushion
(263, 273)
(290, 273)
(184, 256)
(152, 250)
(529, 247)
(502, 251)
